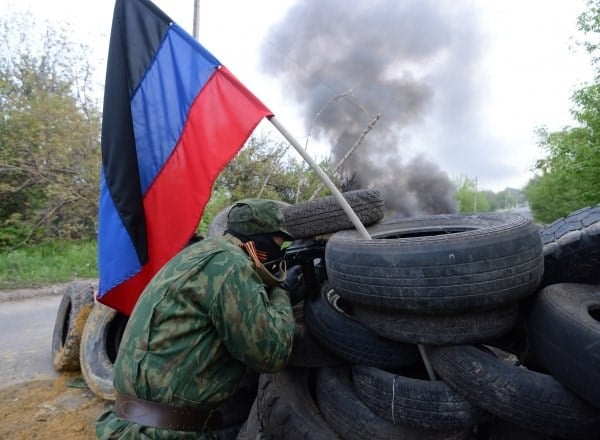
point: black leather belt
(157, 415)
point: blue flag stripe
(117, 257)
(162, 101)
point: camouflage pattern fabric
(257, 216)
(203, 318)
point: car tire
(531, 400)
(424, 404)
(571, 248)
(73, 310)
(99, 346)
(329, 320)
(564, 333)
(353, 420)
(438, 264)
(251, 429)
(325, 215)
(307, 352)
(460, 328)
(286, 408)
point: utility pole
(475, 197)
(196, 18)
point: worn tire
(99, 345)
(353, 420)
(502, 430)
(438, 264)
(531, 400)
(460, 328)
(425, 404)
(572, 248)
(325, 215)
(73, 311)
(330, 322)
(235, 410)
(227, 433)
(307, 352)
(251, 429)
(564, 332)
(286, 409)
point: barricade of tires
(438, 327)
(513, 357)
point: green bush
(49, 263)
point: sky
(460, 85)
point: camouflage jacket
(201, 321)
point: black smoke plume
(347, 62)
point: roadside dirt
(47, 407)
(54, 409)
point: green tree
(49, 136)
(265, 168)
(567, 178)
(468, 198)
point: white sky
(529, 71)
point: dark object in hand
(309, 255)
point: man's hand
(293, 279)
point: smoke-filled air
(385, 65)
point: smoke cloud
(346, 63)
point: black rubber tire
(438, 264)
(227, 433)
(235, 410)
(286, 409)
(531, 400)
(99, 345)
(73, 311)
(425, 404)
(571, 247)
(348, 415)
(564, 332)
(251, 429)
(329, 320)
(307, 352)
(502, 430)
(460, 328)
(325, 215)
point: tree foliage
(567, 178)
(264, 168)
(50, 144)
(468, 197)
(49, 136)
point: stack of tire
(445, 327)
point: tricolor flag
(173, 118)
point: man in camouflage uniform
(210, 313)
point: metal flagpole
(196, 18)
(343, 203)
(324, 177)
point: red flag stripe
(223, 116)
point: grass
(48, 264)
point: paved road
(26, 339)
